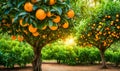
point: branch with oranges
(31, 17)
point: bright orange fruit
(40, 14)
(28, 7)
(57, 19)
(70, 14)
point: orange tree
(37, 22)
(102, 29)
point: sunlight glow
(70, 41)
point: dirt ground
(62, 67)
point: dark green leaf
(23, 13)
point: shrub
(14, 52)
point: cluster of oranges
(19, 37)
(105, 31)
(42, 15)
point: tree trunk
(37, 61)
(104, 66)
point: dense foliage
(14, 52)
(79, 55)
(102, 28)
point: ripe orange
(117, 15)
(108, 16)
(40, 14)
(117, 20)
(107, 28)
(52, 2)
(109, 32)
(53, 28)
(13, 37)
(20, 38)
(28, 7)
(44, 27)
(99, 26)
(44, 36)
(35, 34)
(65, 25)
(32, 29)
(118, 27)
(34, 1)
(104, 43)
(112, 22)
(88, 35)
(70, 14)
(94, 24)
(57, 19)
(21, 23)
(49, 14)
(100, 33)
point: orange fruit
(99, 26)
(65, 25)
(117, 20)
(35, 34)
(28, 7)
(94, 24)
(52, 2)
(112, 22)
(88, 34)
(44, 27)
(21, 23)
(100, 33)
(49, 14)
(44, 36)
(109, 32)
(70, 14)
(53, 28)
(117, 15)
(118, 27)
(13, 37)
(40, 14)
(104, 43)
(107, 28)
(32, 29)
(57, 19)
(34, 1)
(20, 38)
(108, 16)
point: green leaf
(58, 9)
(50, 23)
(15, 19)
(23, 13)
(35, 7)
(34, 24)
(18, 6)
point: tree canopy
(36, 19)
